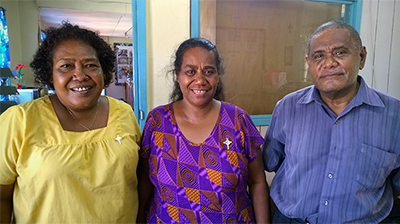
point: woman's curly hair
(176, 93)
(42, 63)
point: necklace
(95, 116)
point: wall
(23, 28)
(89, 5)
(380, 33)
(168, 24)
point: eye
(209, 72)
(91, 66)
(65, 67)
(339, 53)
(318, 56)
(190, 72)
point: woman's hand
(6, 202)
(145, 188)
(259, 192)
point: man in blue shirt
(335, 146)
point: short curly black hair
(176, 93)
(42, 63)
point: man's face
(334, 62)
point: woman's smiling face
(198, 76)
(77, 75)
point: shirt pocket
(375, 166)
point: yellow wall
(168, 24)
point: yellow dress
(70, 177)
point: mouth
(81, 88)
(199, 91)
(333, 75)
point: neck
(83, 118)
(193, 114)
(337, 101)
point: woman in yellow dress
(70, 157)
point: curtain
(4, 47)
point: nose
(79, 73)
(200, 77)
(330, 62)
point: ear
(363, 57)
(308, 61)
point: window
(263, 44)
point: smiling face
(198, 76)
(334, 62)
(77, 75)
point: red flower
(19, 66)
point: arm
(396, 194)
(259, 192)
(6, 202)
(145, 188)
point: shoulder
(231, 108)
(387, 99)
(118, 103)
(299, 94)
(30, 112)
(32, 107)
(121, 109)
(236, 113)
(159, 113)
(161, 109)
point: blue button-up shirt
(334, 169)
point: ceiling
(105, 23)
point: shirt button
(330, 176)
(336, 121)
(326, 203)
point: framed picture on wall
(124, 63)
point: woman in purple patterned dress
(200, 160)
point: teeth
(199, 91)
(80, 89)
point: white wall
(380, 33)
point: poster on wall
(124, 63)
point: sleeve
(273, 148)
(251, 137)
(137, 129)
(395, 179)
(147, 136)
(11, 138)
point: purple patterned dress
(200, 183)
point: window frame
(139, 60)
(352, 16)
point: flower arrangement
(20, 81)
(129, 73)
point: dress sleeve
(11, 137)
(251, 137)
(147, 136)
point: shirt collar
(365, 95)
